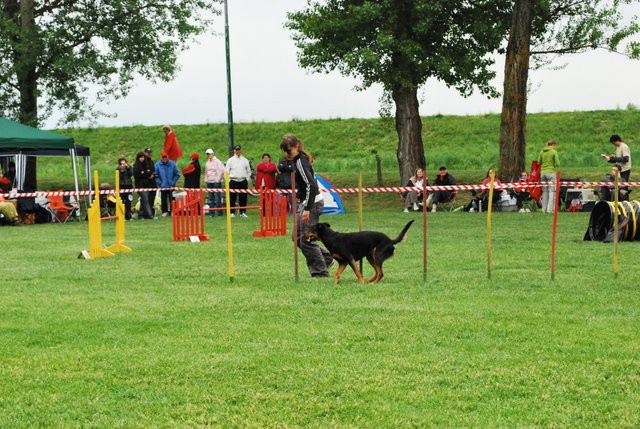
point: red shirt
(266, 175)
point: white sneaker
(233, 215)
(165, 214)
(415, 207)
(243, 215)
(406, 210)
(471, 210)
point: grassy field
(159, 337)
(468, 145)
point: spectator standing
(125, 174)
(266, 173)
(622, 157)
(213, 177)
(239, 173)
(167, 177)
(442, 179)
(192, 172)
(144, 174)
(171, 145)
(11, 172)
(311, 205)
(549, 161)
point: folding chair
(450, 204)
(60, 209)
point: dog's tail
(402, 233)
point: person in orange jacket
(171, 145)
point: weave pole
(424, 230)
(492, 175)
(615, 225)
(556, 209)
(360, 208)
(229, 235)
(294, 219)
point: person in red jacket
(266, 173)
(192, 172)
(171, 145)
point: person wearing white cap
(213, 175)
(239, 174)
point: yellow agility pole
(96, 249)
(119, 246)
(492, 175)
(360, 208)
(615, 224)
(229, 237)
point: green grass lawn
(160, 337)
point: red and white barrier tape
(398, 189)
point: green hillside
(468, 145)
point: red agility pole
(187, 216)
(424, 229)
(555, 226)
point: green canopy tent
(21, 141)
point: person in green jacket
(550, 163)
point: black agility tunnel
(601, 221)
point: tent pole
(74, 159)
(87, 167)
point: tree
(52, 51)
(540, 28)
(400, 44)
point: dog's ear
(326, 225)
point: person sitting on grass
(412, 198)
(442, 179)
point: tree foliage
(59, 49)
(400, 44)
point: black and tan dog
(347, 248)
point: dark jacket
(285, 168)
(306, 183)
(144, 173)
(125, 177)
(192, 174)
(448, 179)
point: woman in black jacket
(192, 172)
(144, 173)
(310, 205)
(126, 182)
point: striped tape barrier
(396, 189)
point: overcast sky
(268, 85)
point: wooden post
(616, 224)
(360, 208)
(556, 209)
(295, 226)
(229, 235)
(424, 228)
(492, 176)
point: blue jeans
(215, 198)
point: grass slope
(468, 145)
(159, 337)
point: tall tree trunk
(514, 99)
(410, 151)
(27, 65)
